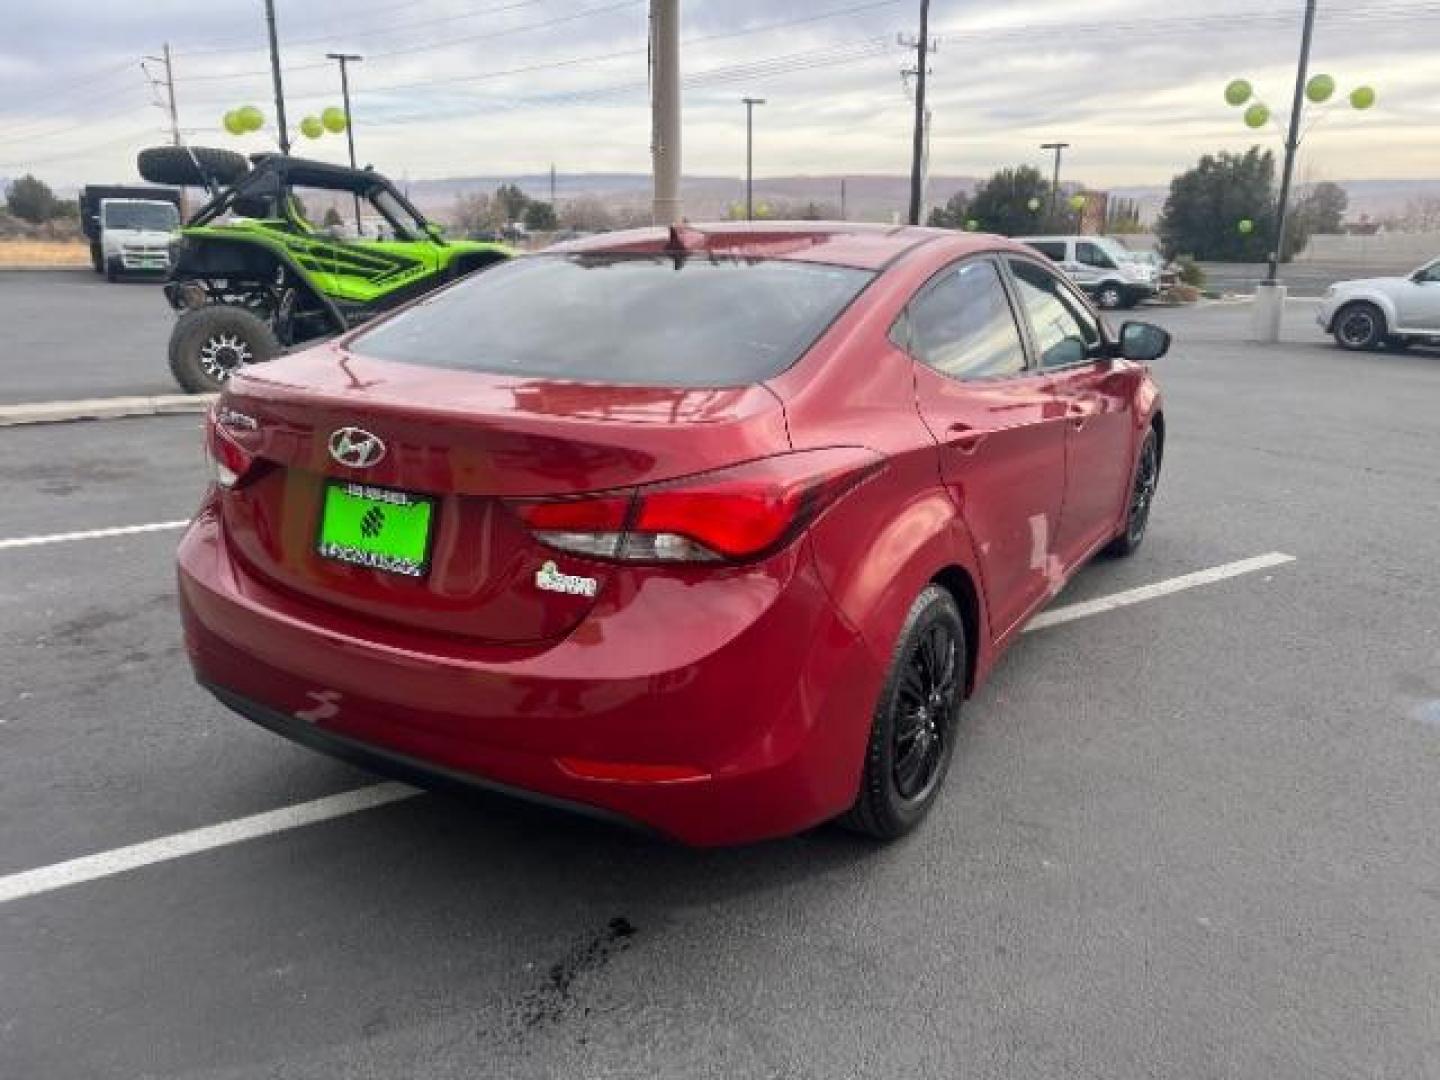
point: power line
(79, 151)
(89, 121)
(390, 28)
(446, 44)
(852, 9)
(639, 51)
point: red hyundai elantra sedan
(709, 530)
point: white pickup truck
(1392, 311)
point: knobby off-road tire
(211, 343)
(175, 165)
(918, 714)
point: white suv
(1393, 311)
(1104, 268)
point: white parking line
(108, 863)
(1086, 608)
(178, 845)
(90, 534)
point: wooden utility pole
(922, 116)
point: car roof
(861, 245)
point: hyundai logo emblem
(356, 448)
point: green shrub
(1190, 271)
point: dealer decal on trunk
(549, 578)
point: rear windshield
(626, 319)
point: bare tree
(474, 212)
(1422, 214)
(587, 213)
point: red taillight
(229, 461)
(736, 514)
(587, 526)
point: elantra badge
(549, 578)
(356, 448)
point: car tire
(1359, 326)
(210, 343)
(112, 270)
(1142, 497)
(918, 714)
(1110, 296)
(176, 165)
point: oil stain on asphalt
(555, 998)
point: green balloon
(233, 124)
(1320, 88)
(1077, 202)
(1362, 97)
(1246, 226)
(1237, 92)
(1033, 204)
(334, 119)
(251, 118)
(311, 127)
(1257, 115)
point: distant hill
(867, 197)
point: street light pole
(275, 75)
(344, 59)
(1292, 143)
(750, 103)
(1058, 147)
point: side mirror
(1143, 341)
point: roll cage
(264, 191)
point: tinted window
(1064, 331)
(1054, 250)
(962, 325)
(154, 216)
(1091, 255)
(634, 319)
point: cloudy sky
(464, 87)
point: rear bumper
(397, 766)
(754, 728)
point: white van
(1104, 268)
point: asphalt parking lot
(1191, 836)
(69, 334)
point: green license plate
(376, 527)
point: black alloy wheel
(1142, 497)
(913, 730)
(1359, 327)
(922, 723)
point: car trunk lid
(462, 443)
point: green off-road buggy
(253, 276)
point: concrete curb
(56, 412)
(60, 268)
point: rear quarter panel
(885, 541)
